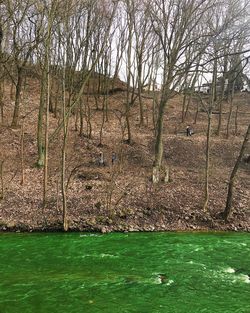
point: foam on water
(91, 235)
(98, 256)
(106, 255)
(244, 278)
(229, 270)
(236, 276)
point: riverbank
(140, 222)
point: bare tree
(175, 23)
(25, 24)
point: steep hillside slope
(121, 196)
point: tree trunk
(228, 209)
(209, 122)
(46, 146)
(22, 155)
(219, 119)
(18, 98)
(81, 117)
(140, 91)
(76, 118)
(65, 133)
(1, 99)
(40, 143)
(129, 67)
(236, 121)
(206, 198)
(230, 110)
(222, 94)
(1, 177)
(88, 116)
(196, 113)
(183, 107)
(158, 142)
(103, 121)
(2, 76)
(188, 105)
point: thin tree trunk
(40, 143)
(57, 195)
(47, 67)
(18, 98)
(22, 155)
(56, 100)
(183, 107)
(188, 105)
(140, 91)
(222, 95)
(186, 109)
(12, 91)
(206, 198)
(88, 116)
(196, 113)
(103, 121)
(230, 110)
(1, 178)
(1, 99)
(228, 209)
(81, 117)
(1, 75)
(129, 66)
(236, 121)
(159, 142)
(209, 122)
(46, 145)
(220, 119)
(65, 131)
(76, 118)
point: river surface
(137, 272)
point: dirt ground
(121, 197)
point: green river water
(137, 272)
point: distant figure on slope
(113, 157)
(189, 131)
(101, 159)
